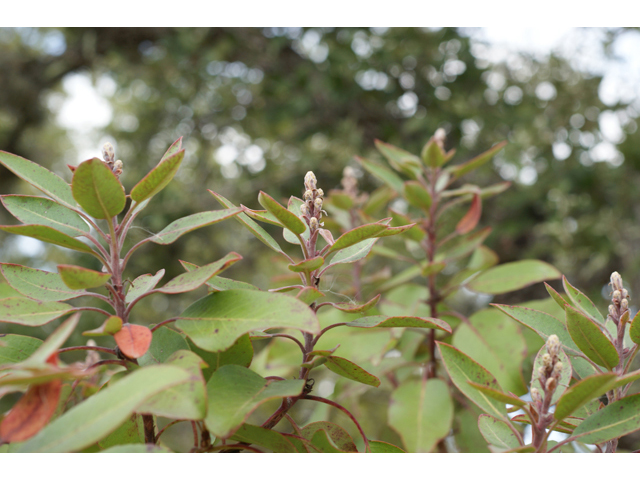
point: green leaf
(307, 265)
(191, 280)
(563, 381)
(38, 176)
(287, 218)
(187, 224)
(582, 302)
(37, 284)
(508, 399)
(634, 329)
(459, 170)
(164, 343)
(308, 295)
(432, 154)
(42, 211)
(392, 322)
(556, 296)
(111, 326)
(590, 339)
(340, 199)
(462, 245)
(274, 441)
(79, 278)
(415, 233)
(354, 252)
(541, 323)
(494, 341)
(613, 421)
(221, 283)
(379, 198)
(337, 435)
(7, 291)
(17, 348)
(102, 413)
(350, 370)
(131, 432)
(462, 369)
(137, 448)
(259, 232)
(49, 235)
(417, 195)
(24, 311)
(240, 353)
(98, 191)
(497, 432)
(513, 276)
(422, 413)
(400, 160)
(382, 173)
(185, 401)
(357, 308)
(624, 379)
(263, 216)
(582, 392)
(356, 235)
(234, 392)
(158, 178)
(142, 285)
(217, 320)
(377, 446)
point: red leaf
(133, 340)
(31, 413)
(472, 217)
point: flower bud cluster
(619, 299)
(109, 155)
(550, 370)
(311, 210)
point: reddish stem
(162, 324)
(88, 347)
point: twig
(163, 323)
(88, 347)
(167, 426)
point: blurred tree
(260, 107)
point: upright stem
(433, 300)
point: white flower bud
(553, 345)
(440, 136)
(535, 395)
(320, 193)
(617, 296)
(310, 181)
(625, 293)
(551, 384)
(308, 195)
(557, 369)
(546, 361)
(616, 281)
(304, 210)
(313, 223)
(108, 153)
(612, 311)
(624, 304)
(318, 203)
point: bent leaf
(234, 392)
(356, 235)
(98, 191)
(176, 229)
(350, 370)
(513, 276)
(422, 413)
(28, 312)
(42, 211)
(581, 301)
(158, 178)
(49, 235)
(102, 413)
(38, 176)
(79, 278)
(392, 322)
(355, 308)
(217, 320)
(338, 435)
(133, 340)
(191, 280)
(591, 340)
(37, 284)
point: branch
(163, 323)
(88, 347)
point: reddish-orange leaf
(133, 340)
(472, 217)
(31, 413)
